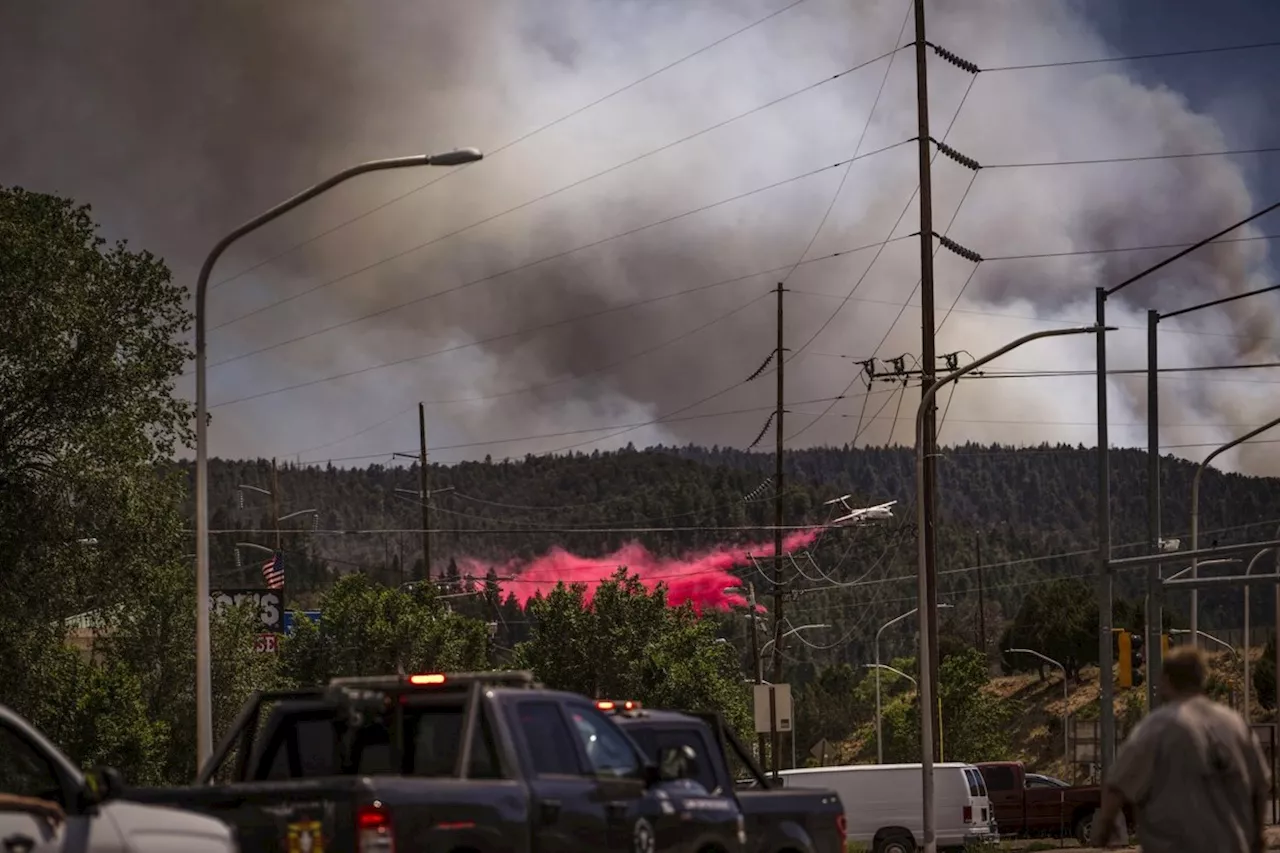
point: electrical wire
(490, 153)
(1136, 159)
(537, 199)
(1134, 57)
(950, 125)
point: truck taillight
(968, 814)
(842, 827)
(373, 829)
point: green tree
(830, 706)
(90, 346)
(1058, 619)
(1264, 676)
(627, 643)
(369, 629)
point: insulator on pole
(963, 160)
(762, 368)
(764, 429)
(957, 61)
(967, 254)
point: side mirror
(103, 784)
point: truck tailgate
(266, 814)
(818, 811)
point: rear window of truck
(309, 744)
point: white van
(883, 803)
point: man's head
(1185, 672)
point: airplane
(863, 514)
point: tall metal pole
(1107, 712)
(926, 693)
(1248, 675)
(426, 495)
(1155, 592)
(275, 500)
(927, 497)
(204, 671)
(778, 592)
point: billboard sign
(268, 602)
(291, 617)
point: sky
(604, 276)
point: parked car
(1032, 804)
(700, 746)
(883, 809)
(446, 762)
(97, 820)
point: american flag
(273, 571)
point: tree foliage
(1058, 619)
(627, 643)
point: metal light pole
(1248, 675)
(898, 672)
(204, 678)
(922, 521)
(877, 666)
(1195, 517)
(1066, 743)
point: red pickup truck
(1031, 804)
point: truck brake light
(842, 827)
(427, 678)
(373, 829)
(968, 814)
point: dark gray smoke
(180, 120)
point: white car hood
(159, 829)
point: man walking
(1192, 770)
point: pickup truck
(445, 762)
(96, 819)
(697, 747)
(1032, 804)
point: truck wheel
(1082, 828)
(896, 844)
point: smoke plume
(178, 121)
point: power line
(1134, 57)
(554, 256)
(492, 152)
(1135, 159)
(1105, 251)
(549, 194)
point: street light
(788, 633)
(878, 666)
(1195, 516)
(204, 676)
(922, 576)
(1066, 744)
(887, 668)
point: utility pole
(778, 593)
(1154, 617)
(928, 496)
(757, 665)
(982, 596)
(426, 496)
(275, 500)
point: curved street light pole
(894, 670)
(877, 666)
(1066, 702)
(204, 682)
(1195, 517)
(922, 520)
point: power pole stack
(426, 495)
(928, 608)
(778, 592)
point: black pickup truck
(445, 762)
(698, 746)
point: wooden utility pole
(982, 596)
(778, 592)
(928, 359)
(426, 496)
(275, 500)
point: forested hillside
(1026, 515)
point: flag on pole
(273, 571)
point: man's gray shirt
(1194, 771)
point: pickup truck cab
(445, 762)
(696, 747)
(1033, 804)
(97, 821)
